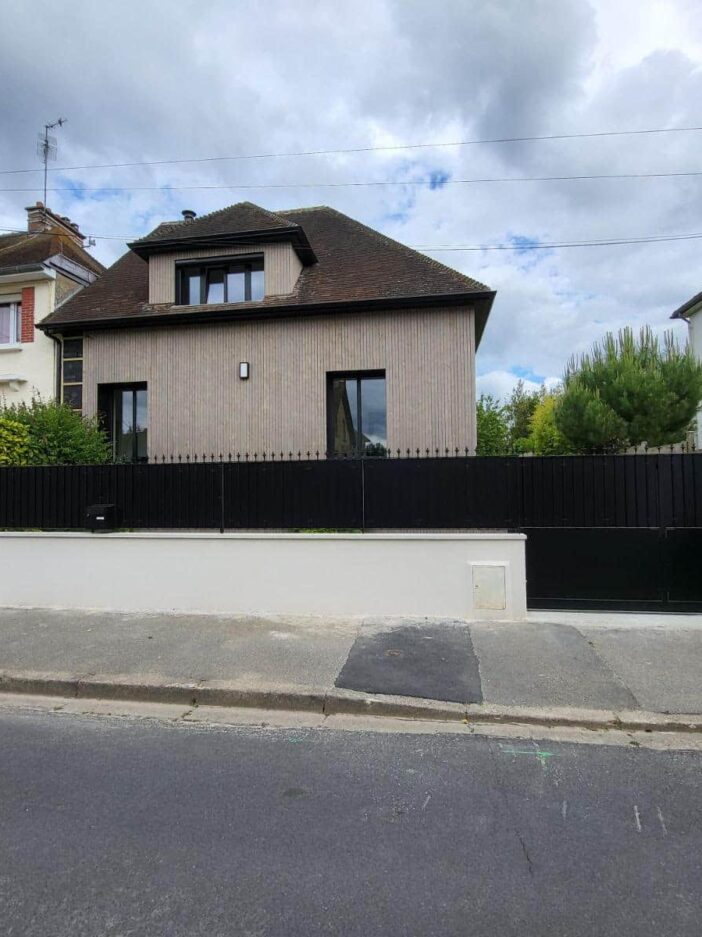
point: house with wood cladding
(252, 331)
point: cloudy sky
(178, 79)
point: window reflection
(215, 286)
(357, 415)
(257, 285)
(236, 286)
(193, 288)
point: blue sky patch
(527, 256)
(76, 190)
(438, 178)
(527, 374)
(81, 193)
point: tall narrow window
(123, 411)
(357, 420)
(72, 372)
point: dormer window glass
(220, 282)
(215, 286)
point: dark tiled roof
(241, 218)
(358, 262)
(355, 264)
(19, 249)
(123, 291)
(686, 307)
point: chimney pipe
(188, 214)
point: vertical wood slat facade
(281, 264)
(197, 403)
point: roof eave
(296, 236)
(690, 308)
(481, 300)
(24, 272)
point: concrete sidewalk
(557, 668)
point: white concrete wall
(458, 576)
(33, 362)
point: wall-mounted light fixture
(244, 370)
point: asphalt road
(120, 827)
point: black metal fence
(603, 531)
(409, 493)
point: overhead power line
(437, 183)
(603, 242)
(363, 149)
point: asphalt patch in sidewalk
(427, 661)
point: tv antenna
(47, 147)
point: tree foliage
(50, 433)
(493, 429)
(545, 438)
(504, 429)
(628, 391)
(520, 409)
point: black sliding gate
(643, 569)
(618, 532)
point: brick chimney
(40, 218)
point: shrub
(14, 441)
(57, 435)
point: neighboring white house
(39, 269)
(691, 312)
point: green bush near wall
(50, 433)
(14, 441)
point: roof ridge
(267, 211)
(180, 225)
(295, 211)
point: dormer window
(219, 281)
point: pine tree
(629, 391)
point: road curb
(334, 701)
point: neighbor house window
(357, 420)
(10, 323)
(72, 372)
(123, 411)
(220, 282)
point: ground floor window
(123, 410)
(357, 418)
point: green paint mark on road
(543, 756)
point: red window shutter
(28, 314)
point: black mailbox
(101, 517)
